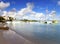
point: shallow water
(30, 33)
(37, 33)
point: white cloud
(13, 10)
(11, 13)
(58, 3)
(39, 15)
(26, 17)
(30, 5)
(53, 13)
(32, 14)
(4, 13)
(22, 14)
(4, 5)
(36, 16)
(26, 10)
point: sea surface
(31, 33)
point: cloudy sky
(31, 9)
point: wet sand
(11, 37)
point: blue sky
(44, 4)
(40, 6)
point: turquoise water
(37, 33)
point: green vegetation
(45, 22)
(54, 21)
(26, 20)
(2, 19)
(11, 19)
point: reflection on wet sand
(3, 26)
(2, 39)
(11, 37)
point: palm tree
(2, 19)
(10, 19)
